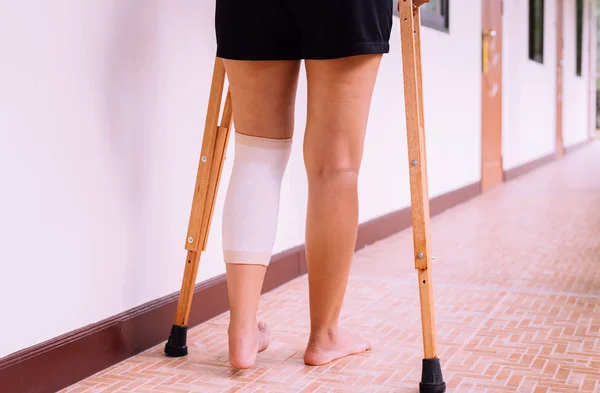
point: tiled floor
(517, 283)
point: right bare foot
(327, 348)
(244, 346)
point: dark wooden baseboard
(60, 362)
(520, 170)
(385, 226)
(577, 146)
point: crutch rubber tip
(176, 346)
(432, 380)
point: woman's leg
(339, 100)
(263, 96)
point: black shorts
(302, 29)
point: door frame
(492, 168)
(592, 69)
(560, 55)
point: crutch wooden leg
(431, 379)
(214, 145)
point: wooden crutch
(214, 145)
(432, 380)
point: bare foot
(244, 346)
(326, 349)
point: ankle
(326, 333)
(241, 329)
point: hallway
(517, 283)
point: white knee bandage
(251, 205)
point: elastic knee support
(251, 205)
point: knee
(337, 168)
(330, 155)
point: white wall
(529, 88)
(102, 103)
(576, 88)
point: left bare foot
(243, 347)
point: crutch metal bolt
(214, 145)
